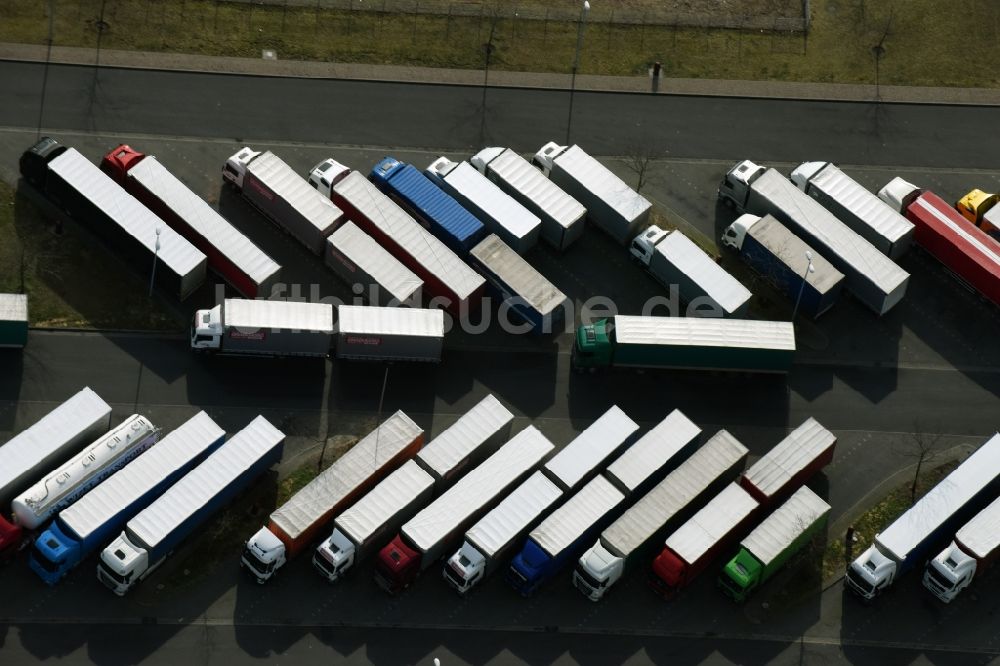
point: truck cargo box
(389, 334)
(263, 327)
(358, 260)
(791, 462)
(579, 460)
(677, 260)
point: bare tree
(638, 157)
(923, 448)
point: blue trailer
(156, 531)
(92, 522)
(435, 209)
(520, 287)
(783, 259)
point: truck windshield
(729, 585)
(860, 583)
(113, 575)
(42, 560)
(254, 563)
(590, 580)
(454, 577)
(939, 580)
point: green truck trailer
(13, 320)
(770, 546)
(690, 343)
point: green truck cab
(593, 346)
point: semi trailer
(578, 461)
(677, 263)
(81, 529)
(429, 204)
(625, 541)
(13, 320)
(870, 275)
(138, 237)
(183, 509)
(773, 543)
(230, 254)
(294, 525)
(856, 206)
(520, 287)
(502, 214)
(563, 217)
(361, 262)
(612, 206)
(389, 334)
(910, 538)
(428, 536)
(783, 260)
(283, 197)
(790, 463)
(972, 551)
(685, 343)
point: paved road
(445, 117)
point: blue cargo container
(92, 522)
(429, 204)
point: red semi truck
(966, 251)
(715, 528)
(230, 254)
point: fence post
(642, 30)
(611, 20)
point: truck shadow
(11, 371)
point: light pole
(581, 24)
(156, 254)
(805, 278)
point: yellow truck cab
(980, 208)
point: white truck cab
(871, 573)
(596, 571)
(262, 555)
(236, 166)
(735, 186)
(642, 246)
(897, 193)
(334, 556)
(546, 157)
(442, 166)
(467, 567)
(326, 174)
(122, 565)
(735, 233)
(207, 329)
(950, 572)
(484, 157)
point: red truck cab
(118, 162)
(397, 566)
(10, 538)
(667, 575)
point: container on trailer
(520, 287)
(856, 206)
(562, 216)
(89, 196)
(358, 260)
(295, 524)
(644, 523)
(613, 206)
(973, 550)
(772, 543)
(65, 484)
(444, 274)
(92, 522)
(13, 320)
(791, 462)
(427, 536)
(685, 343)
(579, 460)
(502, 214)
(160, 528)
(364, 527)
(230, 253)
(429, 204)
(783, 260)
(489, 541)
(966, 251)
(283, 196)
(264, 328)
(389, 334)
(910, 538)
(870, 275)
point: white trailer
(791, 462)
(974, 549)
(617, 548)
(373, 333)
(359, 260)
(612, 205)
(426, 537)
(491, 538)
(562, 216)
(99, 459)
(579, 460)
(501, 213)
(856, 206)
(50, 440)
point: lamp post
(156, 254)
(581, 24)
(805, 278)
